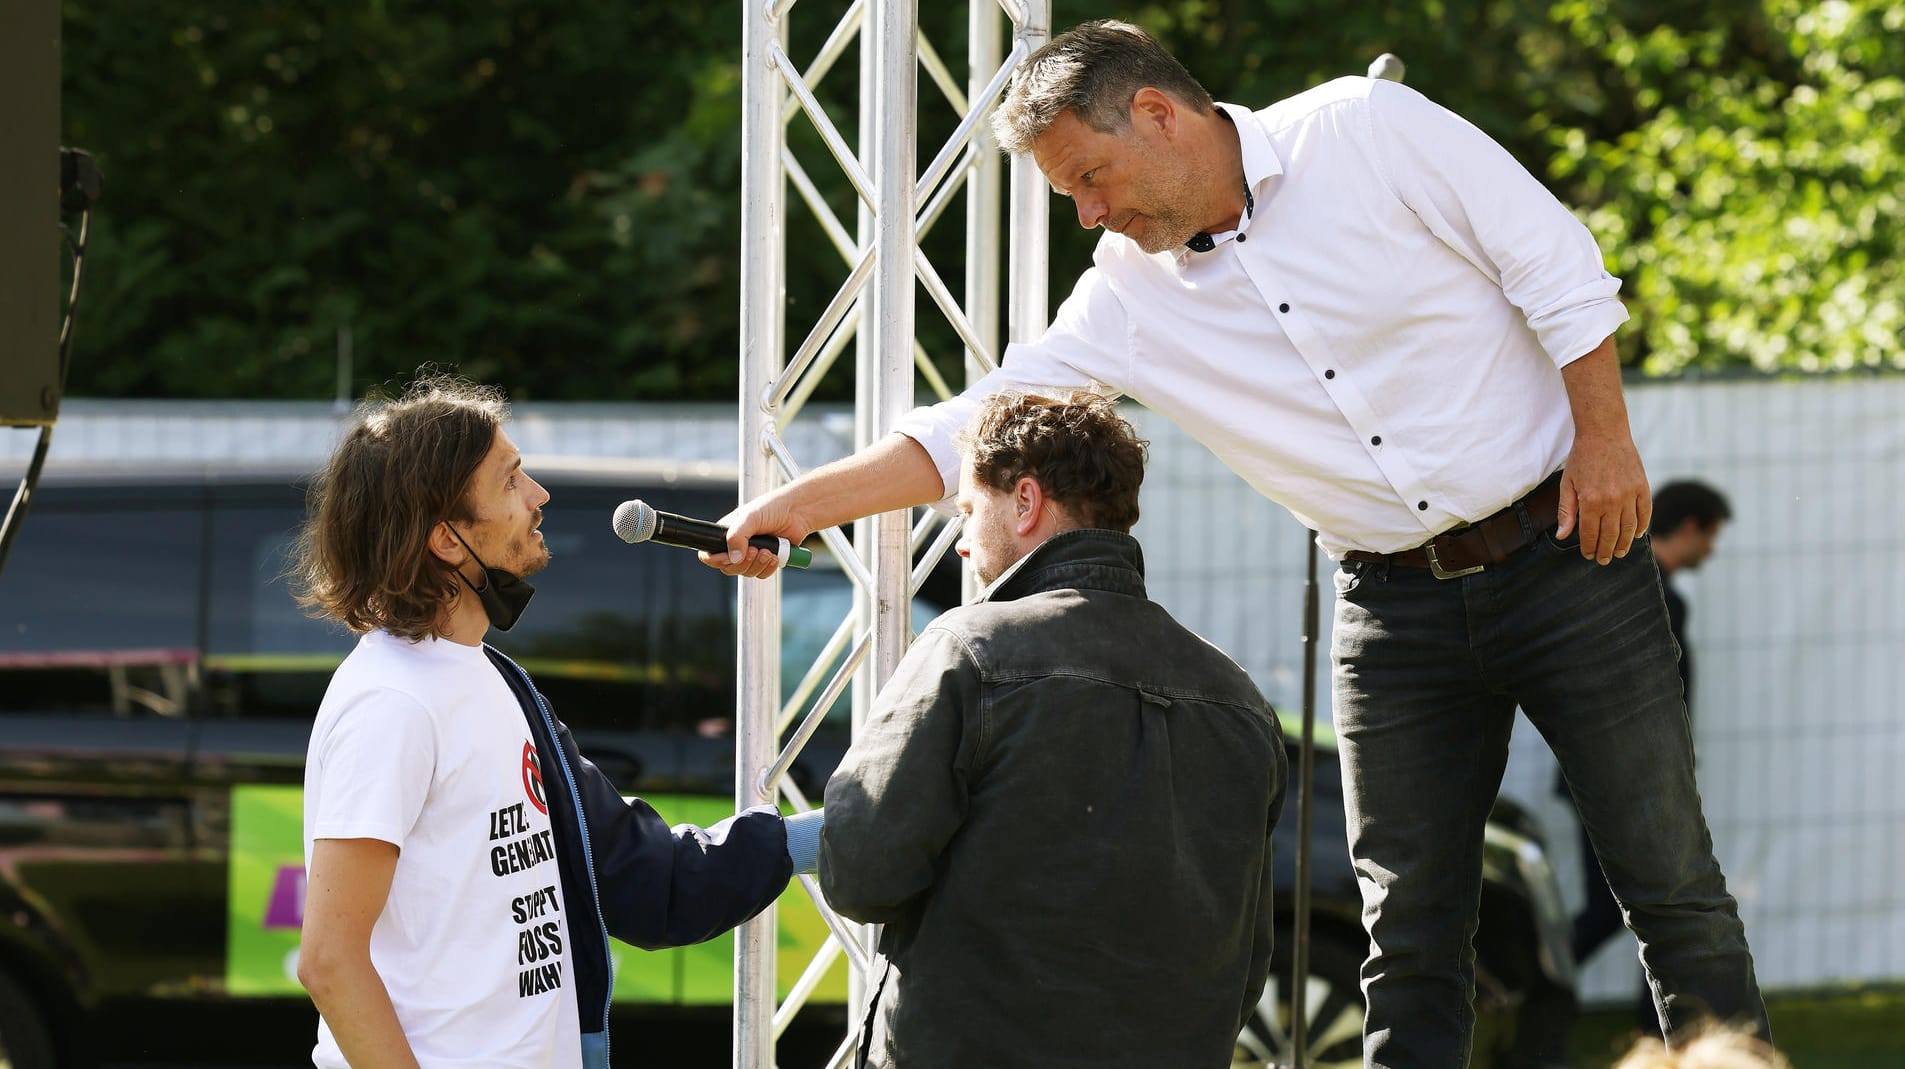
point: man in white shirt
(466, 866)
(1381, 321)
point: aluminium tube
(757, 610)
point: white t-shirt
(424, 745)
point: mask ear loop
(474, 589)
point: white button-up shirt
(1377, 347)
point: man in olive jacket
(1061, 806)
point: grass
(1853, 1028)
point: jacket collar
(1085, 558)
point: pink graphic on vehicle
(286, 906)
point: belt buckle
(1436, 569)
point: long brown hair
(363, 556)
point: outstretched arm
(1087, 347)
(893, 473)
(669, 887)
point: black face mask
(504, 595)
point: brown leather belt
(1468, 549)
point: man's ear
(1153, 111)
(445, 545)
(1028, 505)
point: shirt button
(1377, 440)
(1329, 374)
(1283, 307)
(1422, 506)
(1241, 238)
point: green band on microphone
(793, 556)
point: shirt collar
(1260, 162)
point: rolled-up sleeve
(1479, 201)
(901, 792)
(1087, 347)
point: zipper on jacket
(588, 855)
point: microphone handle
(686, 533)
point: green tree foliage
(1753, 205)
(548, 195)
(538, 193)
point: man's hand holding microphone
(636, 521)
(893, 473)
(767, 515)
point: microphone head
(634, 521)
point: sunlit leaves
(1755, 211)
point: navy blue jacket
(643, 882)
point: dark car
(156, 690)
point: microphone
(635, 521)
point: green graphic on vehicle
(265, 903)
(266, 909)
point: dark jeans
(1428, 673)
(1599, 921)
(1600, 916)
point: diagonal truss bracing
(872, 308)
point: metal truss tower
(883, 268)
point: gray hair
(1093, 69)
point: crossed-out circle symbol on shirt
(532, 779)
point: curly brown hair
(1083, 454)
(363, 556)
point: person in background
(1061, 805)
(1688, 518)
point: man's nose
(1091, 211)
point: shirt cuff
(803, 840)
(1570, 337)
